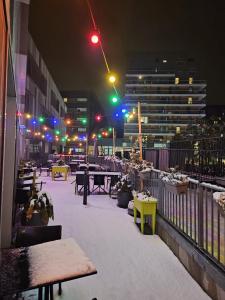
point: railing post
(200, 217)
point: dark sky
(195, 28)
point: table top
(77, 160)
(31, 182)
(104, 173)
(48, 263)
(89, 165)
(63, 166)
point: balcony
(163, 102)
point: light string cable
(100, 42)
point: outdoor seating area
(54, 215)
(71, 220)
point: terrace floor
(130, 265)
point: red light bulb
(94, 39)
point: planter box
(177, 189)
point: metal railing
(195, 214)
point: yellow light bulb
(112, 78)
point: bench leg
(153, 223)
(135, 215)
(142, 222)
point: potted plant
(124, 192)
(38, 210)
(175, 182)
(219, 197)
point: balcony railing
(169, 101)
(194, 214)
(154, 81)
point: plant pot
(37, 220)
(123, 199)
(222, 212)
(177, 189)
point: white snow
(130, 265)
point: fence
(195, 214)
(200, 159)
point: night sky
(60, 29)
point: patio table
(42, 265)
(60, 169)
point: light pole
(114, 140)
(139, 130)
(87, 148)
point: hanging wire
(91, 13)
(100, 42)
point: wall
(209, 277)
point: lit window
(82, 109)
(65, 100)
(189, 100)
(144, 120)
(177, 80)
(190, 80)
(82, 99)
(177, 130)
(81, 129)
(140, 77)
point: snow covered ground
(130, 265)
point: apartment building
(171, 97)
(45, 130)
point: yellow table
(145, 208)
(60, 169)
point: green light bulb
(41, 119)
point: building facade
(81, 108)
(43, 124)
(171, 98)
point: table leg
(40, 290)
(65, 176)
(135, 215)
(51, 292)
(60, 289)
(142, 222)
(53, 175)
(47, 292)
(153, 223)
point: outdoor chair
(79, 181)
(32, 235)
(99, 180)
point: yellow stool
(59, 169)
(145, 208)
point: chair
(80, 180)
(73, 167)
(82, 168)
(32, 235)
(99, 180)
